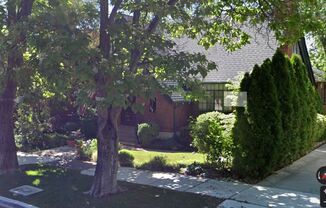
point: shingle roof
(231, 63)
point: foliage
(320, 129)
(195, 169)
(318, 53)
(87, 150)
(147, 133)
(212, 135)
(159, 163)
(136, 56)
(318, 39)
(31, 124)
(52, 140)
(126, 159)
(278, 124)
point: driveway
(301, 175)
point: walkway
(301, 175)
(237, 194)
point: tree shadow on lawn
(64, 188)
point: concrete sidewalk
(301, 175)
(237, 194)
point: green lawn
(64, 188)
(173, 158)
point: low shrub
(159, 163)
(31, 123)
(126, 159)
(147, 132)
(54, 140)
(320, 130)
(87, 150)
(46, 141)
(212, 134)
(195, 169)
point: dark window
(214, 99)
(152, 105)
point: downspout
(174, 121)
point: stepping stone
(236, 204)
(175, 181)
(25, 190)
(6, 202)
(219, 189)
(272, 197)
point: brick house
(172, 112)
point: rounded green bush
(147, 133)
(212, 134)
(158, 163)
(126, 159)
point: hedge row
(278, 124)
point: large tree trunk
(8, 157)
(105, 179)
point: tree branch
(104, 37)
(155, 21)
(25, 9)
(105, 22)
(136, 17)
(114, 12)
(150, 29)
(135, 22)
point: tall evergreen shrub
(264, 119)
(278, 124)
(285, 87)
(307, 111)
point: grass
(64, 188)
(172, 158)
